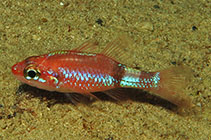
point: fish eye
(31, 73)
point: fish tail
(171, 83)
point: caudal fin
(173, 82)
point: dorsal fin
(88, 46)
(117, 49)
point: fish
(84, 71)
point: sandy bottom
(165, 33)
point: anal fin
(77, 98)
(117, 94)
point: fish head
(34, 72)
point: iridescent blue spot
(95, 79)
(145, 81)
(77, 78)
(70, 75)
(50, 71)
(66, 75)
(74, 73)
(156, 79)
(41, 80)
(64, 72)
(89, 75)
(81, 77)
(68, 70)
(99, 79)
(103, 80)
(131, 79)
(139, 85)
(110, 81)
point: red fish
(82, 71)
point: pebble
(145, 26)
(35, 37)
(198, 104)
(61, 3)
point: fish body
(84, 72)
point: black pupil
(31, 73)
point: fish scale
(85, 79)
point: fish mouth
(15, 69)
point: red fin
(117, 94)
(76, 98)
(173, 82)
(89, 94)
(88, 46)
(117, 49)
